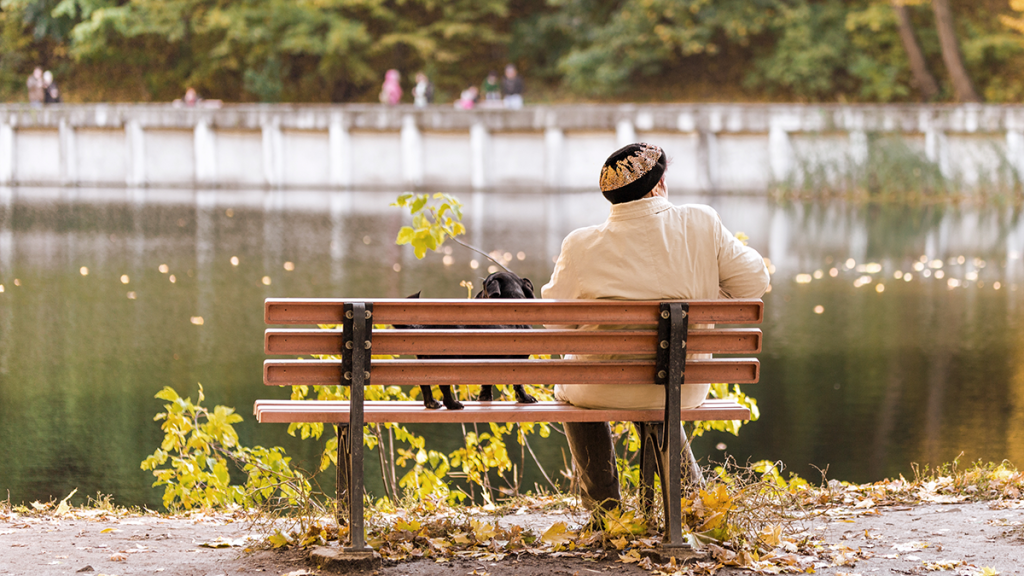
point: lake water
(863, 373)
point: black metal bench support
(671, 372)
(357, 334)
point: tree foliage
(337, 50)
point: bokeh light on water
(893, 333)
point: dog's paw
(525, 398)
(431, 404)
(486, 394)
(454, 405)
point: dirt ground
(966, 537)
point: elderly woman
(647, 249)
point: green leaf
(418, 204)
(168, 394)
(405, 235)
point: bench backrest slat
(538, 372)
(450, 312)
(492, 342)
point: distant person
(51, 93)
(423, 92)
(491, 90)
(192, 99)
(467, 100)
(391, 90)
(36, 87)
(512, 88)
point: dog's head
(506, 285)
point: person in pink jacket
(391, 91)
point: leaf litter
(760, 523)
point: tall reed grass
(890, 169)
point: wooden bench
(667, 335)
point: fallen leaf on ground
(630, 557)
(772, 535)
(909, 546)
(557, 534)
(222, 542)
(278, 539)
(942, 565)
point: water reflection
(863, 372)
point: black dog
(497, 285)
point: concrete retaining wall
(714, 147)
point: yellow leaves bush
(192, 462)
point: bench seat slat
(287, 411)
(473, 312)
(470, 342)
(543, 372)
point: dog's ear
(528, 288)
(492, 288)
(416, 295)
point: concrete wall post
(1014, 142)
(273, 153)
(339, 143)
(554, 146)
(136, 152)
(1015, 151)
(935, 149)
(412, 152)
(780, 152)
(68, 156)
(480, 151)
(625, 132)
(707, 161)
(6, 154)
(206, 153)
(858, 147)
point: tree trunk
(963, 89)
(923, 79)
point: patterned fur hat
(631, 172)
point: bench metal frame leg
(650, 457)
(344, 487)
(671, 372)
(650, 434)
(357, 332)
